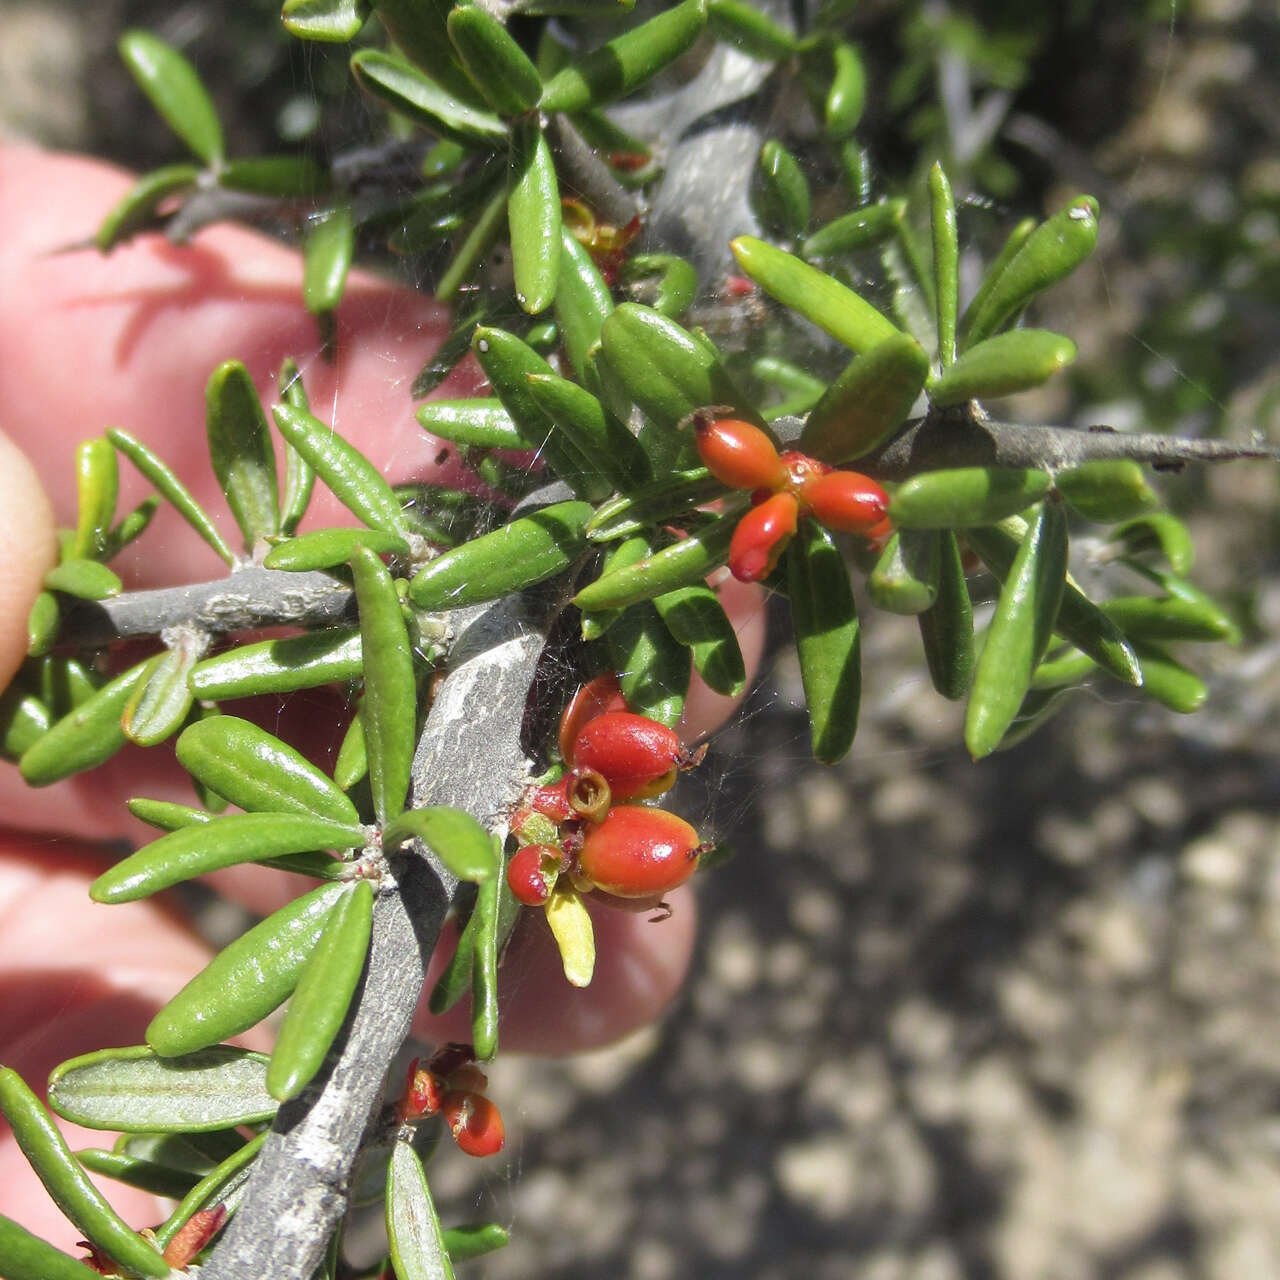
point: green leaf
(139, 208)
(1158, 530)
(246, 980)
(419, 31)
(171, 488)
(999, 366)
(627, 61)
(599, 437)
(97, 483)
(813, 294)
(42, 623)
(240, 449)
(389, 706)
(68, 1184)
(223, 1185)
(484, 963)
(146, 1175)
(749, 31)
(352, 763)
(868, 402)
(84, 579)
(417, 1246)
(533, 211)
(1048, 254)
(27, 1257)
(354, 480)
(905, 578)
(327, 548)
(132, 526)
(134, 1090)
(682, 564)
(1147, 618)
(256, 771)
(470, 254)
(173, 86)
(497, 65)
(455, 837)
(583, 300)
(696, 618)
(964, 497)
(280, 666)
(159, 704)
(323, 994)
(828, 639)
(481, 424)
(85, 737)
(165, 814)
(473, 1240)
(414, 94)
(1020, 631)
(293, 177)
(236, 838)
(326, 258)
(946, 627)
(23, 719)
(455, 980)
(783, 194)
(846, 94)
(864, 228)
(335, 21)
(299, 479)
(674, 281)
(677, 493)
(946, 262)
(1169, 682)
(521, 553)
(653, 667)
(1107, 490)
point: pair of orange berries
(452, 1086)
(784, 487)
(626, 850)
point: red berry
(847, 502)
(593, 699)
(421, 1094)
(633, 752)
(761, 536)
(637, 851)
(740, 455)
(531, 872)
(474, 1122)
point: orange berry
(761, 536)
(637, 851)
(594, 698)
(633, 752)
(847, 501)
(531, 872)
(474, 1121)
(740, 455)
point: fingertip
(30, 549)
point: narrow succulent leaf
(521, 553)
(621, 554)
(1079, 619)
(139, 208)
(946, 627)
(172, 489)
(246, 980)
(583, 300)
(1068, 668)
(223, 1185)
(783, 190)
(1148, 618)
(601, 439)
(475, 1239)
(1037, 709)
(864, 228)
(905, 578)
(673, 280)
(1182, 589)
(466, 260)
(23, 719)
(675, 495)
(1048, 254)
(484, 964)
(846, 95)
(1107, 490)
(158, 705)
(355, 481)
(419, 31)
(455, 837)
(258, 772)
(280, 666)
(166, 815)
(946, 262)
(868, 402)
(42, 624)
(146, 1175)
(416, 95)
(828, 639)
(323, 994)
(481, 424)
(499, 68)
(233, 839)
(414, 1234)
(1170, 683)
(835, 309)
(352, 763)
(1160, 531)
(684, 563)
(294, 177)
(653, 667)
(696, 618)
(326, 258)
(749, 31)
(333, 21)
(299, 479)
(85, 737)
(97, 485)
(455, 980)
(173, 86)
(573, 933)
(240, 448)
(1014, 241)
(626, 62)
(389, 705)
(1020, 630)
(456, 344)
(67, 1183)
(27, 1257)
(533, 212)
(964, 497)
(328, 548)
(196, 1152)
(84, 579)
(133, 1090)
(1000, 366)
(130, 527)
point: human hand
(89, 342)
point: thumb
(29, 550)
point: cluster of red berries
(629, 851)
(784, 487)
(452, 1086)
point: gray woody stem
(469, 756)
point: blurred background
(1016, 1019)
